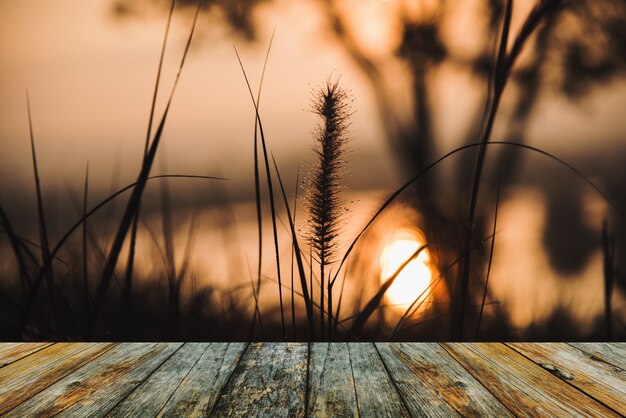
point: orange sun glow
(416, 276)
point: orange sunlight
(415, 278)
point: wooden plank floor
(317, 379)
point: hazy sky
(91, 77)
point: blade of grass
(268, 178)
(137, 193)
(168, 244)
(130, 264)
(608, 250)
(85, 255)
(338, 311)
(370, 307)
(154, 238)
(311, 278)
(259, 215)
(92, 241)
(315, 305)
(17, 251)
(504, 63)
(421, 298)
(41, 218)
(127, 297)
(432, 165)
(24, 243)
(158, 77)
(189, 244)
(493, 244)
(301, 271)
(293, 305)
(257, 179)
(257, 311)
(53, 253)
(499, 83)
(329, 309)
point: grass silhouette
(84, 304)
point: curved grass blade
(15, 243)
(293, 305)
(426, 169)
(499, 81)
(370, 307)
(53, 253)
(137, 193)
(43, 230)
(420, 299)
(308, 301)
(268, 177)
(130, 264)
(493, 244)
(85, 248)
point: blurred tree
(569, 46)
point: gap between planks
(318, 370)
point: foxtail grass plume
(333, 104)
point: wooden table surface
(317, 379)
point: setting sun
(414, 278)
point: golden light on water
(416, 276)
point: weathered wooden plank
(331, 384)
(375, 392)
(523, 387)
(612, 353)
(25, 378)
(197, 393)
(432, 383)
(96, 388)
(10, 352)
(270, 380)
(600, 380)
(148, 398)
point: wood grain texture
(96, 388)
(10, 352)
(150, 397)
(269, 381)
(331, 384)
(433, 384)
(23, 379)
(612, 353)
(199, 390)
(376, 393)
(602, 381)
(337, 379)
(537, 383)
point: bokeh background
(418, 72)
